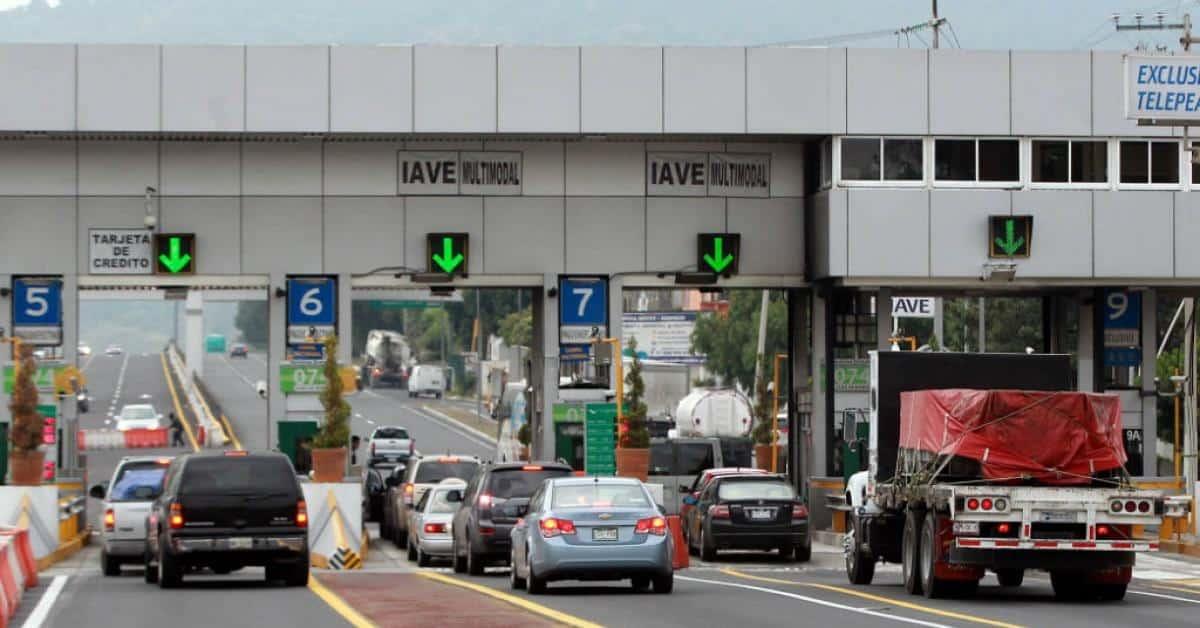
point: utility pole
(936, 25)
(1159, 24)
(762, 337)
(982, 325)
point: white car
(136, 482)
(114, 350)
(390, 443)
(429, 522)
(83, 350)
(426, 379)
(139, 416)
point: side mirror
(454, 497)
(97, 491)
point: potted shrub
(330, 446)
(524, 436)
(26, 434)
(763, 433)
(633, 435)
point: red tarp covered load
(1053, 437)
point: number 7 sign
(583, 308)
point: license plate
(1052, 516)
(966, 527)
(241, 543)
(604, 534)
(761, 514)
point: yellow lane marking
(1168, 587)
(237, 444)
(544, 611)
(877, 598)
(175, 399)
(339, 605)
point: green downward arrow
(448, 260)
(718, 260)
(175, 262)
(1010, 244)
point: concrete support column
(821, 367)
(801, 421)
(345, 319)
(193, 337)
(68, 410)
(276, 345)
(883, 319)
(6, 350)
(546, 367)
(616, 307)
(1085, 350)
(1149, 369)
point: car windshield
(519, 483)
(755, 490)
(138, 475)
(227, 475)
(599, 495)
(391, 432)
(138, 412)
(433, 471)
(437, 503)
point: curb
(459, 424)
(828, 537)
(65, 550)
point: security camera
(150, 221)
(261, 387)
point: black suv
(228, 511)
(494, 499)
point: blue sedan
(585, 528)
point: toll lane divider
(334, 531)
(18, 571)
(97, 439)
(210, 433)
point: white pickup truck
(390, 444)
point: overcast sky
(979, 24)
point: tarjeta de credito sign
(1163, 88)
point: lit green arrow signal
(448, 260)
(1011, 242)
(175, 261)
(718, 260)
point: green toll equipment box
(294, 438)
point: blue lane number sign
(37, 310)
(312, 308)
(583, 309)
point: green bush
(635, 433)
(335, 429)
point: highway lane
(232, 381)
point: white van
(426, 380)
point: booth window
(1145, 162)
(995, 161)
(1066, 161)
(1195, 167)
(882, 159)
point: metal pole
(982, 326)
(479, 355)
(775, 414)
(939, 322)
(762, 337)
(936, 28)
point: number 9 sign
(312, 301)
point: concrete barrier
(18, 571)
(98, 439)
(32, 508)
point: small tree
(524, 435)
(335, 431)
(635, 434)
(27, 422)
(763, 433)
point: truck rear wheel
(931, 585)
(1010, 577)
(910, 566)
(1068, 585)
(1111, 592)
(860, 565)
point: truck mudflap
(944, 568)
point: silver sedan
(586, 528)
(429, 522)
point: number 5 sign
(583, 309)
(312, 308)
(37, 310)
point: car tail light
(435, 528)
(486, 530)
(302, 514)
(799, 511)
(1103, 531)
(448, 459)
(1116, 506)
(176, 518)
(553, 526)
(720, 511)
(236, 453)
(163, 461)
(651, 525)
(110, 520)
(409, 489)
(1001, 504)
(986, 504)
(484, 501)
(972, 504)
(532, 467)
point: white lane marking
(1165, 597)
(87, 363)
(813, 600)
(225, 359)
(120, 382)
(455, 426)
(42, 610)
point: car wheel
(641, 583)
(786, 552)
(535, 584)
(273, 572)
(412, 551)
(169, 573)
(150, 573)
(109, 565)
(401, 537)
(474, 562)
(664, 584)
(515, 581)
(460, 563)
(422, 558)
(1010, 577)
(910, 569)
(708, 551)
(1068, 585)
(804, 552)
(297, 575)
(1111, 592)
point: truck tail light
(972, 504)
(986, 504)
(720, 511)
(1004, 529)
(652, 525)
(553, 526)
(302, 514)
(176, 516)
(110, 520)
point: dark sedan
(750, 512)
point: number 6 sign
(312, 308)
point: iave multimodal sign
(1162, 88)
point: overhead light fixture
(998, 271)
(693, 278)
(433, 278)
(441, 291)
